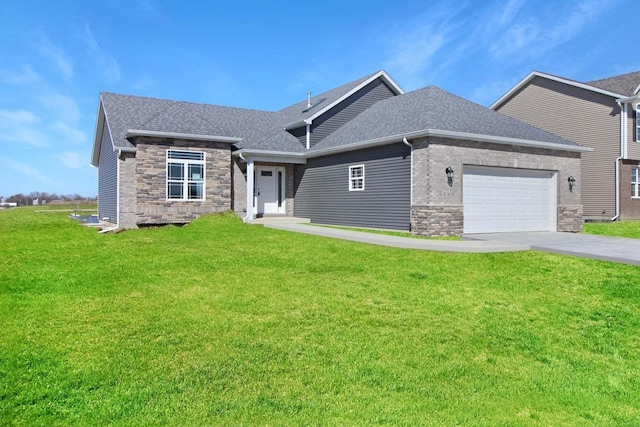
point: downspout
(406, 142)
(308, 135)
(623, 149)
(250, 191)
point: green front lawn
(617, 228)
(221, 323)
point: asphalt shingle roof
(625, 84)
(435, 109)
(259, 129)
(430, 108)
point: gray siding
(588, 118)
(107, 178)
(322, 189)
(348, 109)
(301, 134)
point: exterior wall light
(572, 181)
(449, 172)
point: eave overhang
(135, 133)
(635, 99)
(270, 156)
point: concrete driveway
(616, 249)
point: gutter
(450, 135)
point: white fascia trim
(98, 134)
(297, 124)
(396, 88)
(533, 74)
(629, 100)
(132, 133)
(637, 90)
(271, 156)
(451, 135)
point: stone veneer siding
(152, 206)
(437, 207)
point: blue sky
(55, 58)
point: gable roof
(434, 112)
(569, 82)
(298, 114)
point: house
(601, 114)
(364, 154)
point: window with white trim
(356, 178)
(635, 182)
(185, 175)
(638, 122)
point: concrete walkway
(616, 249)
(400, 242)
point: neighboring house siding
(152, 206)
(588, 118)
(322, 189)
(633, 145)
(107, 179)
(629, 207)
(348, 109)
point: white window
(638, 122)
(356, 178)
(635, 182)
(185, 175)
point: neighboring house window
(185, 175)
(356, 178)
(635, 182)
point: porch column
(250, 179)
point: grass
(617, 228)
(221, 323)
(384, 232)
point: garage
(507, 199)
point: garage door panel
(504, 199)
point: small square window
(356, 178)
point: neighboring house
(364, 154)
(601, 114)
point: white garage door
(504, 199)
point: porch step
(280, 220)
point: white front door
(269, 190)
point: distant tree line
(28, 199)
